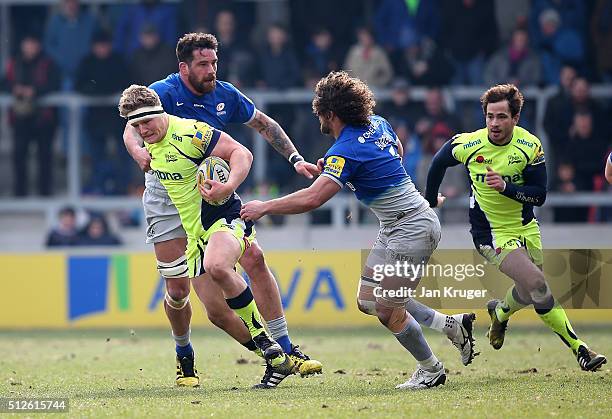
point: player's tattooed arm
(134, 145)
(279, 140)
(273, 133)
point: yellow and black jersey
(520, 162)
(175, 161)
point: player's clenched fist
(441, 199)
(321, 164)
(253, 210)
(143, 158)
(213, 190)
(494, 180)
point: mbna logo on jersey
(525, 142)
(167, 175)
(471, 143)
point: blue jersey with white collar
(366, 159)
(224, 105)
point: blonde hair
(136, 97)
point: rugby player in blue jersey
(195, 93)
(366, 157)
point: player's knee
(384, 314)
(218, 270)
(367, 307)
(392, 318)
(253, 260)
(177, 294)
(366, 301)
(537, 282)
(177, 289)
(541, 294)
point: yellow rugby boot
(186, 372)
(303, 364)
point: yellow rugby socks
(556, 319)
(244, 305)
(510, 305)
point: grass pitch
(131, 374)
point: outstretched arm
(304, 200)
(279, 140)
(442, 160)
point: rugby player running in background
(366, 157)
(194, 92)
(507, 174)
(216, 236)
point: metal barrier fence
(74, 103)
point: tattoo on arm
(273, 133)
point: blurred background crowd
(397, 46)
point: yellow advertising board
(318, 288)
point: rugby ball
(217, 169)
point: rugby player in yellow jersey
(507, 175)
(216, 236)
(194, 92)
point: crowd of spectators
(396, 44)
(87, 229)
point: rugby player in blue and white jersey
(195, 93)
(366, 157)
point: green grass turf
(130, 374)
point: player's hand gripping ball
(212, 174)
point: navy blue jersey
(366, 159)
(225, 104)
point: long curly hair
(348, 97)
